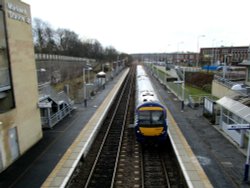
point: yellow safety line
(174, 128)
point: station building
(20, 123)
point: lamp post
(84, 87)
(226, 64)
(178, 45)
(183, 90)
(41, 70)
(89, 69)
(198, 48)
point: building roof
(236, 107)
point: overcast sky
(137, 26)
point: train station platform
(196, 143)
(50, 162)
(61, 174)
(192, 170)
(202, 143)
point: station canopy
(235, 107)
(101, 74)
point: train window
(151, 117)
(157, 117)
(144, 117)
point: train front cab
(151, 123)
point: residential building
(230, 55)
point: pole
(224, 66)
(84, 88)
(197, 59)
(198, 49)
(88, 75)
(183, 91)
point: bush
(200, 80)
(207, 88)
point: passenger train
(150, 115)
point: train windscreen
(151, 118)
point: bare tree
(67, 42)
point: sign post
(237, 127)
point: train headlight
(138, 131)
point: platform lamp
(198, 48)
(84, 87)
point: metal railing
(56, 117)
(61, 58)
(224, 81)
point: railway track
(116, 159)
(160, 168)
(99, 167)
(104, 167)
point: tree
(67, 42)
(39, 35)
(110, 54)
(44, 37)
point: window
(157, 117)
(144, 117)
(151, 118)
(6, 92)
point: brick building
(231, 55)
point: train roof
(145, 90)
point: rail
(103, 171)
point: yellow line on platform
(193, 172)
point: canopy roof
(236, 107)
(101, 74)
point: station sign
(238, 126)
(19, 13)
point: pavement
(32, 168)
(222, 160)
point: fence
(40, 57)
(176, 88)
